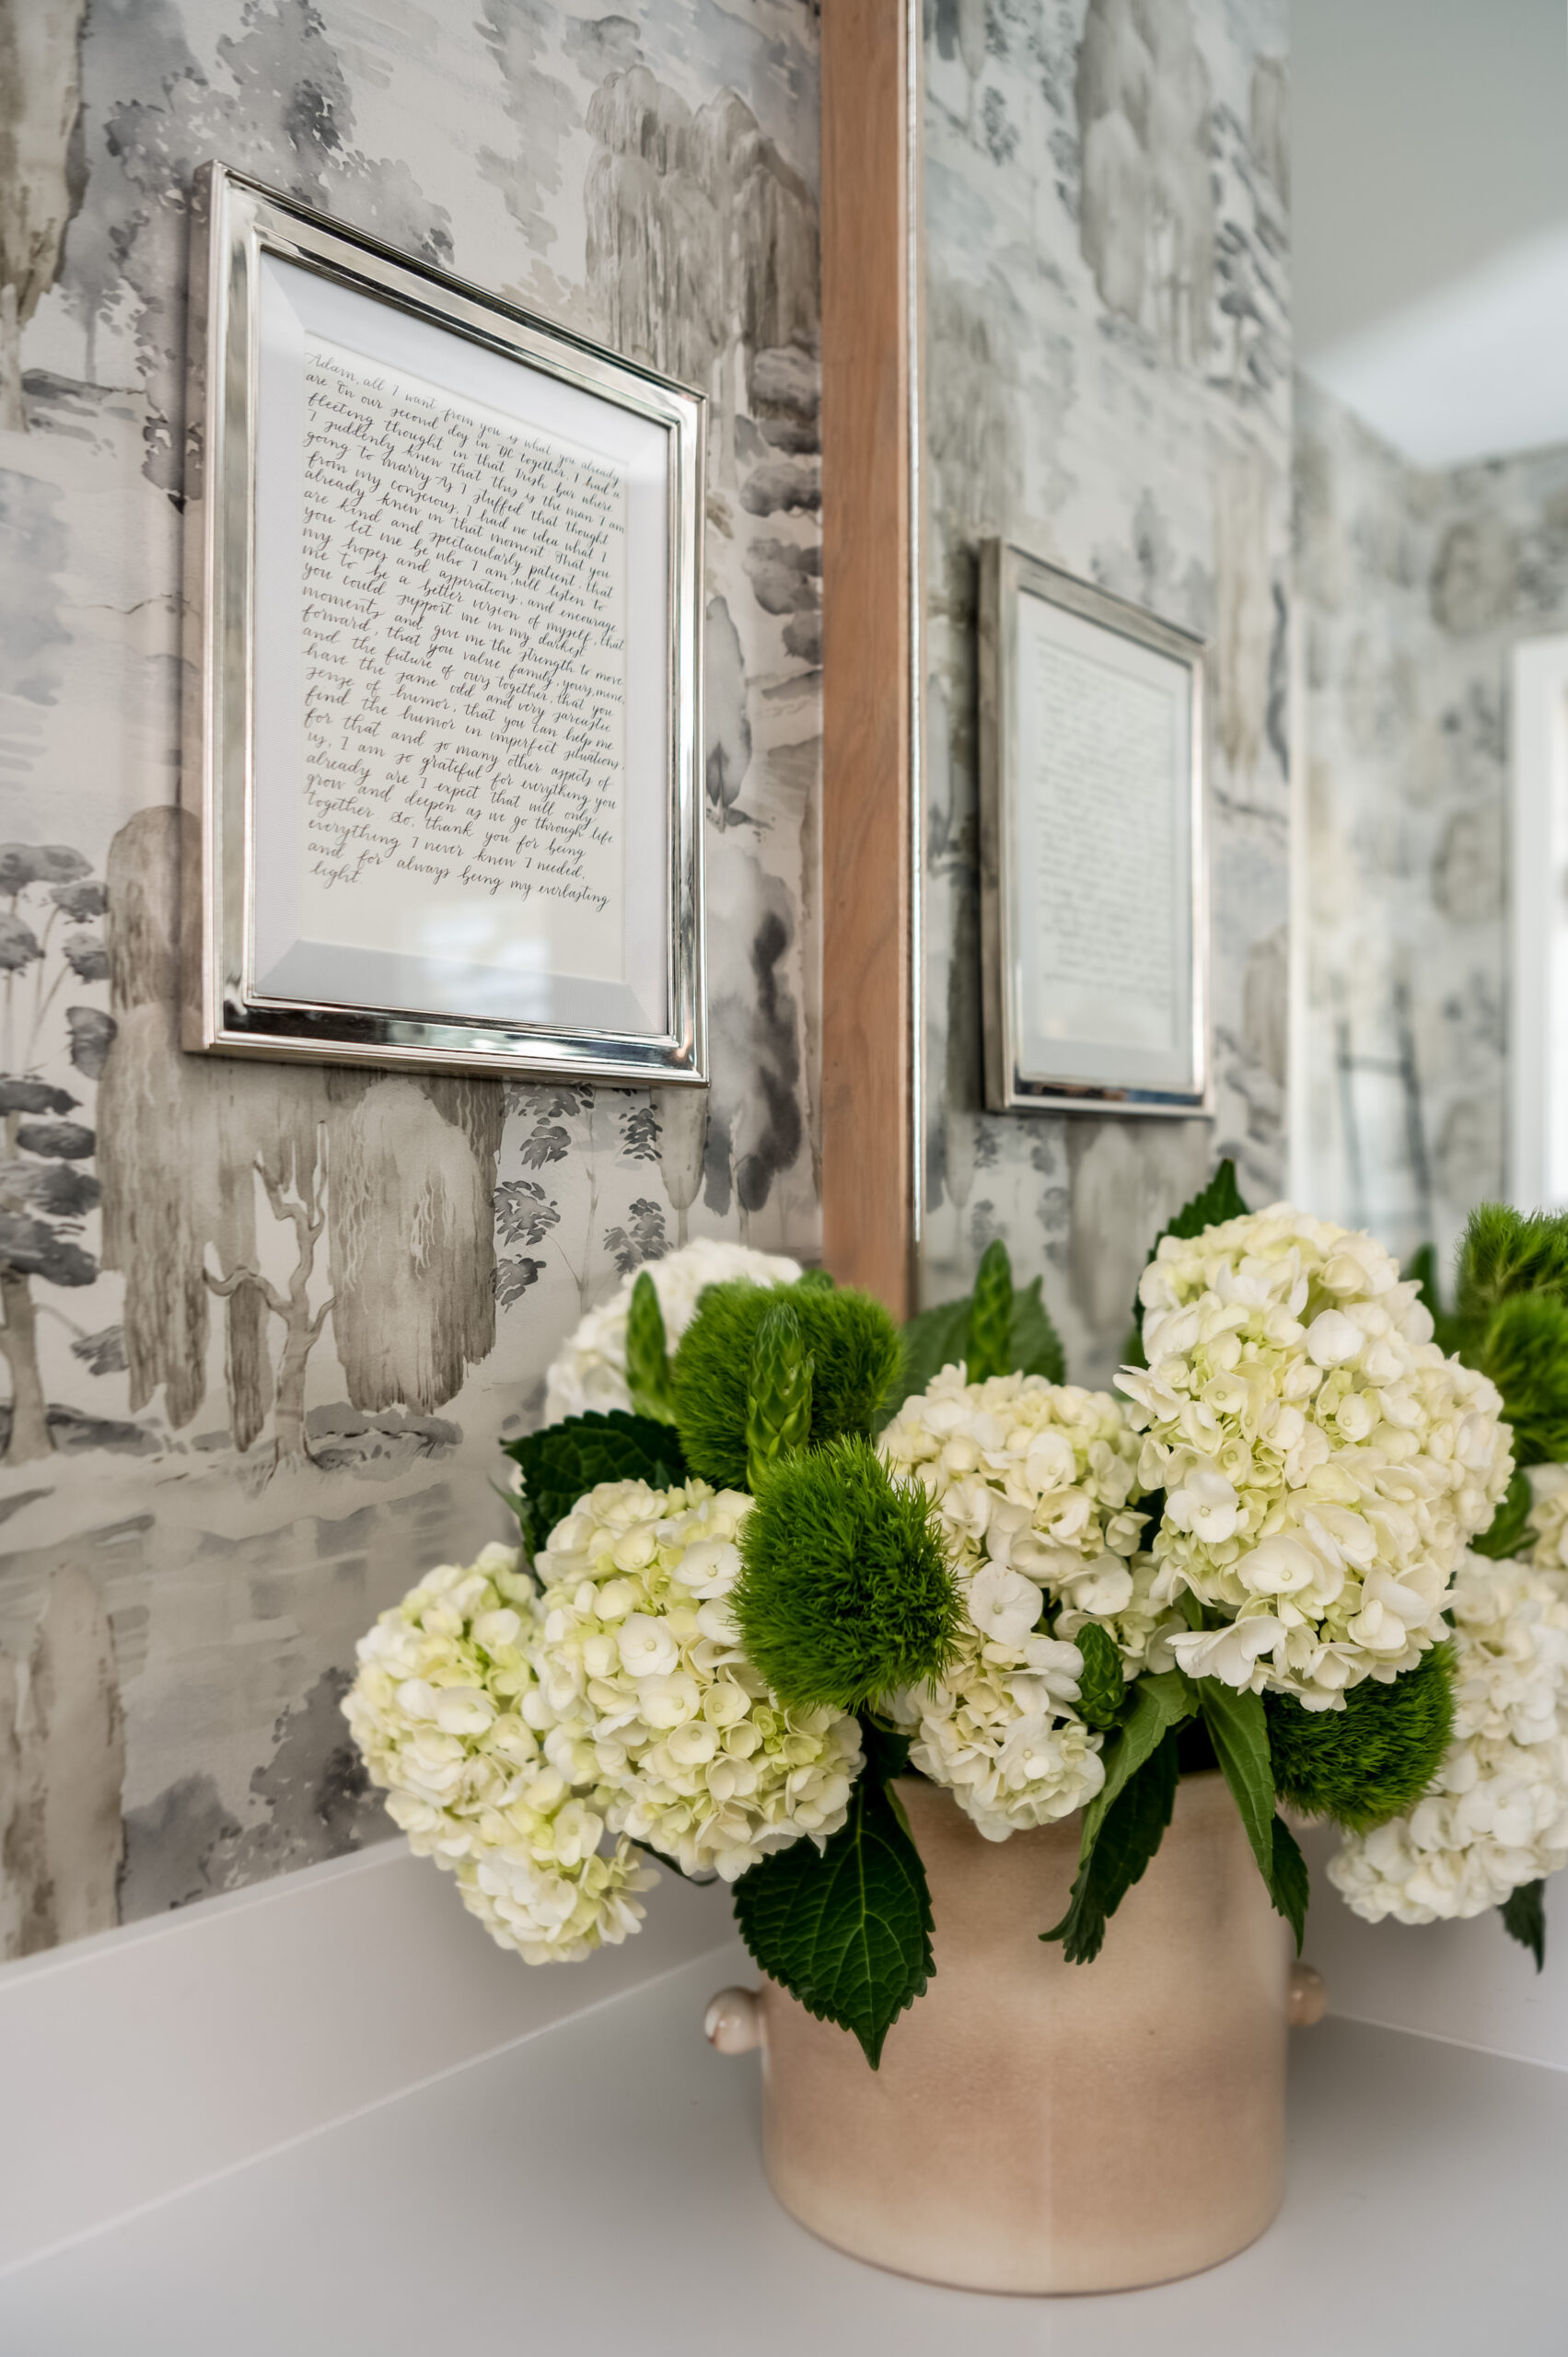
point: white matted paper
(1092, 846)
(467, 713)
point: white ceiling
(1430, 218)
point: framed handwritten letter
(1093, 878)
(444, 711)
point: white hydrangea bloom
(1324, 1464)
(1548, 1518)
(590, 1371)
(1497, 1814)
(438, 1710)
(646, 1702)
(1032, 1482)
(1141, 1628)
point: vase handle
(1308, 1996)
(733, 2023)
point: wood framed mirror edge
(871, 504)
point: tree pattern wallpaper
(263, 1326)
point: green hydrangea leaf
(1159, 1705)
(847, 1931)
(517, 1504)
(647, 1357)
(990, 1314)
(1509, 1527)
(565, 1460)
(1290, 1885)
(1420, 1270)
(1220, 1199)
(1102, 1688)
(1238, 1729)
(1132, 1830)
(1035, 1346)
(932, 1339)
(1524, 1918)
(886, 1750)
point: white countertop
(597, 2187)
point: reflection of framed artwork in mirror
(1093, 878)
(445, 719)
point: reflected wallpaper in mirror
(1106, 378)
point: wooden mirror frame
(871, 831)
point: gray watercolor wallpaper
(1414, 588)
(263, 1326)
(1108, 381)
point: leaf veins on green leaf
(1132, 1830)
(1159, 1705)
(847, 1931)
(1238, 1729)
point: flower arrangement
(775, 1556)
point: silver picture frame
(239, 228)
(1024, 1071)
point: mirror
(1106, 382)
(1253, 316)
(1430, 270)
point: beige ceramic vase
(1038, 2126)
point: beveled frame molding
(871, 846)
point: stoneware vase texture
(1038, 2126)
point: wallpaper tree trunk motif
(296, 1197)
(255, 1386)
(62, 1761)
(49, 905)
(40, 168)
(387, 1180)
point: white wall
(1430, 225)
(147, 2060)
(1427, 136)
